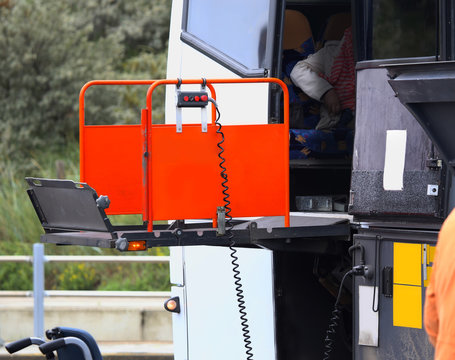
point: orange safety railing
(186, 183)
(153, 170)
(111, 156)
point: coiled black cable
(230, 235)
(331, 331)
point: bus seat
(336, 25)
(297, 30)
(297, 45)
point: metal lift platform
(73, 214)
(173, 172)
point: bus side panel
(390, 174)
(214, 325)
(212, 317)
(238, 103)
(404, 266)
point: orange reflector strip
(137, 246)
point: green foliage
(19, 225)
(137, 277)
(44, 63)
(16, 276)
(20, 228)
(49, 49)
(78, 277)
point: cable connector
(358, 270)
(362, 270)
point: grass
(20, 228)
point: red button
(204, 98)
(186, 98)
(196, 98)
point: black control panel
(192, 99)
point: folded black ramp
(67, 206)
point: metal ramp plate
(66, 205)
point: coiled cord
(333, 324)
(230, 235)
(241, 302)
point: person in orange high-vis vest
(439, 314)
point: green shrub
(20, 228)
(78, 277)
(49, 49)
(16, 276)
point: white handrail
(87, 293)
(88, 258)
(16, 258)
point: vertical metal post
(447, 26)
(424, 260)
(38, 290)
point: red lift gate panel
(111, 157)
(186, 183)
(113, 165)
(181, 178)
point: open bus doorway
(320, 156)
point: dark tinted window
(237, 28)
(404, 28)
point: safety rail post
(38, 290)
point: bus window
(235, 32)
(404, 28)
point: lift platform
(72, 214)
(175, 171)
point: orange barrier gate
(153, 170)
(111, 156)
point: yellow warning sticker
(407, 264)
(407, 306)
(432, 251)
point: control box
(192, 99)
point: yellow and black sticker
(412, 264)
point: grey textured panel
(428, 91)
(370, 198)
(378, 110)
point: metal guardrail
(38, 259)
(88, 293)
(88, 258)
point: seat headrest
(296, 29)
(336, 26)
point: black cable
(230, 235)
(331, 331)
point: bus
(344, 275)
(394, 185)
